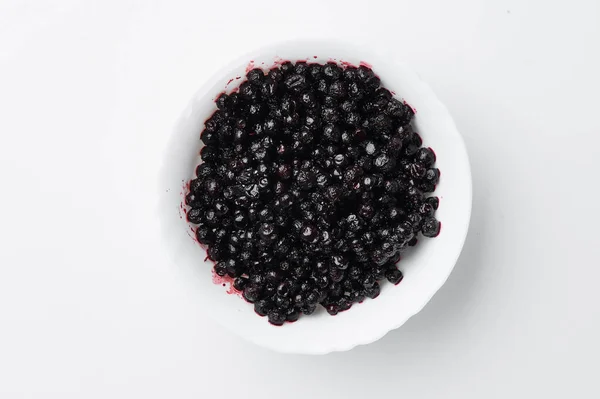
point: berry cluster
(311, 185)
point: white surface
(426, 267)
(89, 309)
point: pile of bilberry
(312, 183)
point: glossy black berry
(332, 308)
(418, 171)
(432, 175)
(431, 227)
(306, 179)
(209, 154)
(337, 89)
(384, 162)
(296, 83)
(239, 283)
(220, 269)
(426, 209)
(266, 230)
(434, 202)
(255, 76)
(373, 291)
(248, 91)
(276, 74)
(195, 215)
(394, 276)
(330, 115)
(287, 68)
(262, 307)
(340, 262)
(309, 233)
(292, 315)
(332, 71)
(251, 292)
(425, 156)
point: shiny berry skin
(394, 276)
(364, 74)
(332, 309)
(251, 292)
(195, 215)
(262, 307)
(332, 71)
(220, 269)
(255, 76)
(296, 83)
(330, 115)
(275, 74)
(384, 162)
(292, 315)
(373, 291)
(239, 283)
(309, 233)
(339, 261)
(287, 68)
(426, 209)
(417, 171)
(337, 89)
(432, 175)
(426, 156)
(434, 202)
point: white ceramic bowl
(426, 266)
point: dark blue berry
(434, 202)
(262, 306)
(330, 115)
(195, 215)
(239, 283)
(315, 71)
(431, 227)
(309, 233)
(255, 76)
(332, 71)
(384, 162)
(292, 315)
(394, 276)
(373, 292)
(337, 89)
(332, 309)
(296, 83)
(339, 262)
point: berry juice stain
(225, 281)
(250, 66)
(192, 235)
(278, 61)
(185, 188)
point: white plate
(426, 266)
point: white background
(90, 308)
